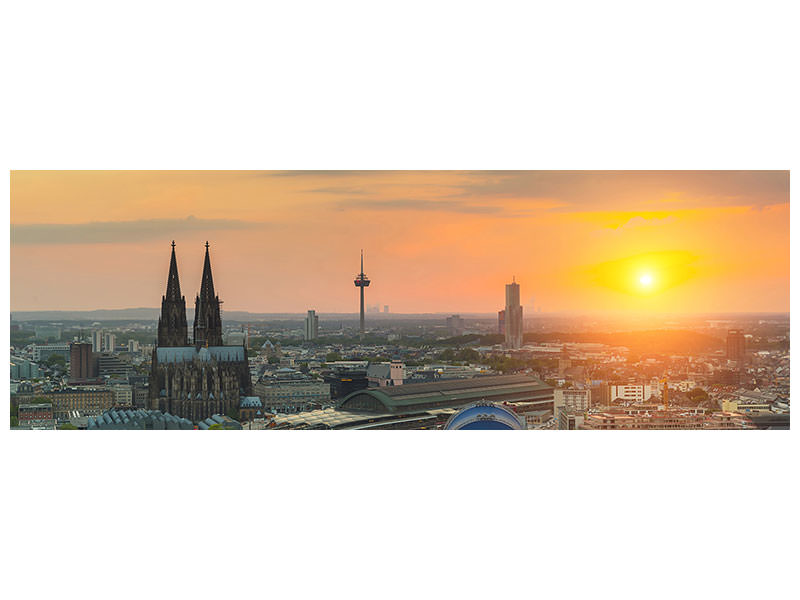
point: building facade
(574, 400)
(632, 392)
(21, 368)
(85, 400)
(36, 416)
(290, 396)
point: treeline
(661, 341)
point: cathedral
(197, 380)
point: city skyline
(436, 242)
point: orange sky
(434, 241)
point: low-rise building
(632, 392)
(574, 399)
(36, 416)
(123, 395)
(23, 369)
(250, 407)
(292, 395)
(137, 419)
(86, 400)
(677, 418)
(44, 351)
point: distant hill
(151, 314)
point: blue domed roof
(484, 415)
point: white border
(574, 85)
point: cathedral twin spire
(172, 324)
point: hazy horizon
(436, 242)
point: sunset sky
(434, 241)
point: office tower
(312, 326)
(361, 281)
(207, 320)
(97, 341)
(513, 316)
(501, 322)
(82, 362)
(455, 325)
(109, 342)
(385, 309)
(172, 327)
(735, 345)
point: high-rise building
(501, 322)
(385, 309)
(513, 316)
(361, 281)
(455, 325)
(312, 326)
(735, 345)
(109, 342)
(82, 362)
(97, 341)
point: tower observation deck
(361, 281)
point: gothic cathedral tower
(172, 327)
(207, 320)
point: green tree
(697, 396)
(332, 356)
(67, 426)
(55, 360)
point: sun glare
(646, 279)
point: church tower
(207, 320)
(172, 327)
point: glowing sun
(646, 279)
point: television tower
(361, 281)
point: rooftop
(449, 393)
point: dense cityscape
(517, 369)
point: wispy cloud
(339, 191)
(110, 232)
(580, 190)
(453, 206)
(324, 173)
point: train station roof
(417, 397)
